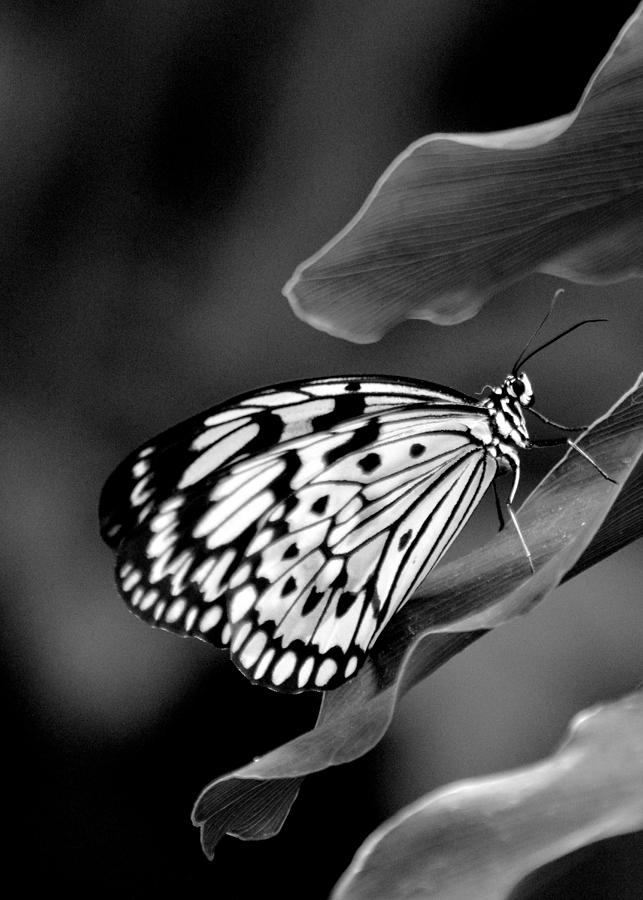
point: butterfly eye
(523, 389)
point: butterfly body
(288, 525)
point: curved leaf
(574, 518)
(478, 838)
(457, 217)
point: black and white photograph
(321, 334)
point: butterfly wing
(327, 568)
(151, 505)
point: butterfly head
(519, 386)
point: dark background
(165, 166)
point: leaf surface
(457, 217)
(476, 839)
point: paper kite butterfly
(289, 524)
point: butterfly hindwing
(328, 573)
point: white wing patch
(225, 447)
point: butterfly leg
(513, 518)
(501, 517)
(557, 442)
(514, 462)
(590, 460)
(551, 422)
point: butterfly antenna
(553, 340)
(537, 330)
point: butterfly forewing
(185, 509)
(250, 424)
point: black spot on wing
(290, 585)
(341, 579)
(344, 603)
(271, 428)
(281, 526)
(370, 462)
(280, 487)
(312, 601)
(363, 436)
(347, 406)
(417, 450)
(291, 552)
(404, 539)
(290, 503)
(352, 386)
(320, 504)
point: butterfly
(289, 524)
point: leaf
(457, 217)
(478, 838)
(574, 518)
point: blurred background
(165, 167)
